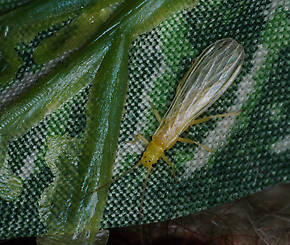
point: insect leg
(139, 137)
(171, 165)
(156, 113)
(205, 119)
(184, 140)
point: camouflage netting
(41, 170)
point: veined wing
(208, 78)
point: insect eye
(154, 165)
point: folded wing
(208, 78)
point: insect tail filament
(143, 193)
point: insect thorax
(151, 155)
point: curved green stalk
(106, 97)
(104, 64)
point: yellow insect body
(208, 78)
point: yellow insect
(207, 79)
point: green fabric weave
(251, 151)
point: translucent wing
(208, 78)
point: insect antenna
(116, 178)
(143, 193)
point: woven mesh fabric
(251, 150)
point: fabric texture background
(251, 151)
